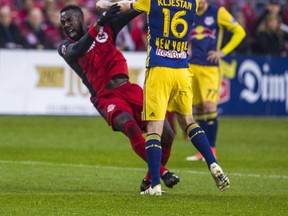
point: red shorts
(125, 98)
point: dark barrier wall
(254, 86)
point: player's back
(169, 25)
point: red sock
(166, 143)
(134, 133)
(162, 170)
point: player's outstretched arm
(106, 16)
(103, 5)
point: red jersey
(95, 57)
(103, 60)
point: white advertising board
(41, 83)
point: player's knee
(167, 138)
(120, 119)
(198, 109)
(185, 120)
(210, 107)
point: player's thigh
(157, 89)
(194, 70)
(111, 108)
(209, 79)
(181, 95)
(133, 95)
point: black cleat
(170, 179)
(145, 184)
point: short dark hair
(74, 8)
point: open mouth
(71, 32)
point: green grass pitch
(79, 166)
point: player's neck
(202, 9)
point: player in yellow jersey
(205, 40)
(168, 81)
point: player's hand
(215, 56)
(102, 5)
(109, 14)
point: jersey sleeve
(70, 50)
(142, 5)
(227, 21)
(62, 48)
(122, 20)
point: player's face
(201, 4)
(72, 22)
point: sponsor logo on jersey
(171, 54)
(152, 114)
(200, 32)
(63, 49)
(209, 20)
(111, 107)
(102, 36)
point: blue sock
(200, 141)
(153, 157)
(202, 123)
(212, 129)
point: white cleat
(220, 178)
(156, 190)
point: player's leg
(154, 155)
(168, 177)
(170, 116)
(205, 98)
(212, 123)
(125, 122)
(198, 138)
(121, 118)
(154, 112)
(166, 142)
(183, 108)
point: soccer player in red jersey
(92, 54)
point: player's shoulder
(213, 8)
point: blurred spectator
(33, 29)
(250, 15)
(10, 35)
(53, 31)
(270, 8)
(244, 46)
(269, 36)
(124, 41)
(138, 32)
(49, 5)
(89, 4)
(228, 4)
(9, 3)
(23, 11)
(71, 2)
(89, 17)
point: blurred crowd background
(35, 24)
